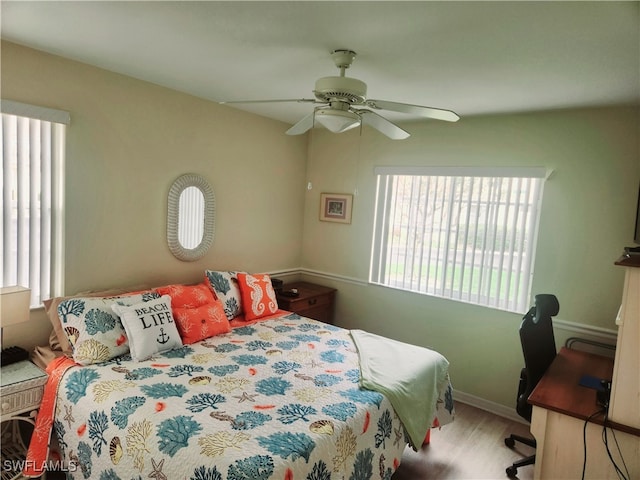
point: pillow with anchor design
(92, 328)
(150, 327)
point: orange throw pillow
(258, 296)
(196, 311)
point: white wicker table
(22, 386)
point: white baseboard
(489, 406)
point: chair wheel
(509, 442)
(512, 472)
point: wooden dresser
(313, 301)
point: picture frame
(336, 207)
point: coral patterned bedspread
(277, 399)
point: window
(467, 234)
(31, 227)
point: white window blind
(32, 198)
(466, 234)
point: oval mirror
(190, 217)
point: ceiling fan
(343, 105)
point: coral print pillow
(225, 286)
(150, 327)
(93, 329)
(197, 312)
(258, 296)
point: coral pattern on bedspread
(272, 400)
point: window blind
(32, 167)
(467, 234)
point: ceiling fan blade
(303, 125)
(383, 125)
(437, 113)
(297, 100)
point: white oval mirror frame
(179, 215)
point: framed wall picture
(335, 207)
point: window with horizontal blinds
(466, 234)
(32, 199)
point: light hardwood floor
(472, 447)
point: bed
(277, 397)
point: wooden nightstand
(313, 301)
(22, 386)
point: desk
(560, 409)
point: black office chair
(539, 350)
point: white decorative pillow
(225, 286)
(149, 326)
(93, 330)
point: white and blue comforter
(277, 399)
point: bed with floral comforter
(279, 399)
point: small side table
(22, 386)
(313, 301)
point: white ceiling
(470, 57)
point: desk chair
(539, 350)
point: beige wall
(128, 141)
(587, 218)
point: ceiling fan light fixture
(337, 121)
(340, 94)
